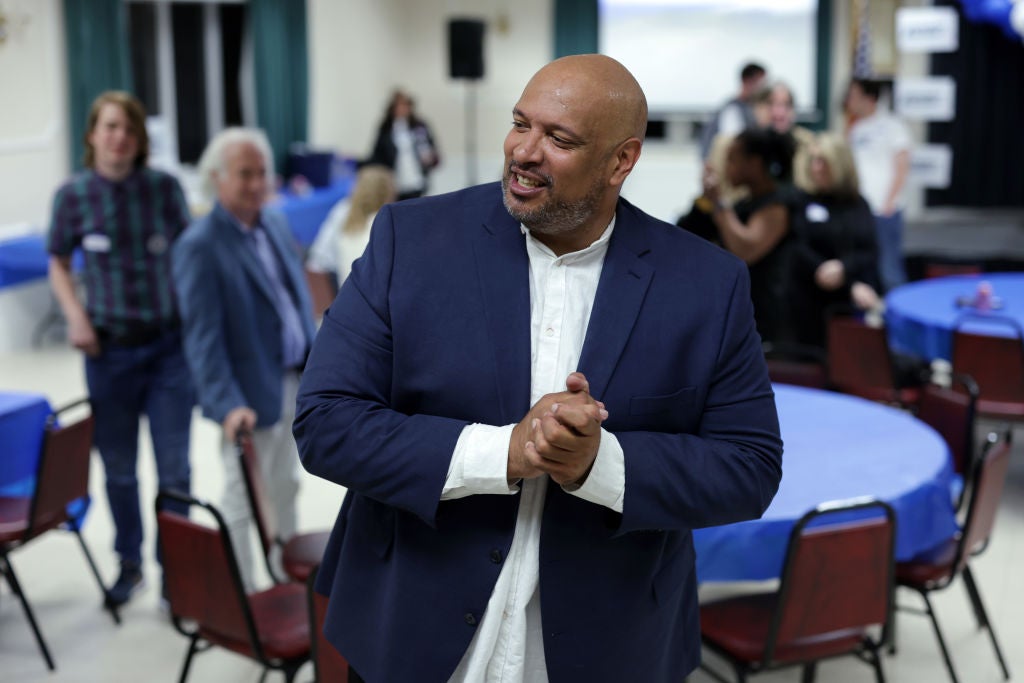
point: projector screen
(687, 54)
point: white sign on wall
(932, 98)
(931, 166)
(927, 29)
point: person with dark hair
(757, 228)
(533, 392)
(881, 151)
(124, 217)
(737, 114)
(406, 145)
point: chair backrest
(996, 363)
(328, 664)
(858, 359)
(989, 480)
(256, 492)
(203, 581)
(838, 574)
(933, 269)
(62, 476)
(952, 412)
(797, 364)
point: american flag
(862, 48)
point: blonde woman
(375, 187)
(837, 257)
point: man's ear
(626, 155)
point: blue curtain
(575, 27)
(282, 80)
(96, 37)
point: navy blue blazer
(232, 330)
(430, 333)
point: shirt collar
(597, 247)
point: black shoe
(126, 585)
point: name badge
(96, 242)
(816, 213)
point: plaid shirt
(125, 230)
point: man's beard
(554, 217)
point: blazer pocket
(667, 404)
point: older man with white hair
(246, 315)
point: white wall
(33, 120)
(360, 52)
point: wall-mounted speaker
(466, 48)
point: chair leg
(7, 569)
(938, 635)
(810, 672)
(875, 656)
(975, 598)
(983, 618)
(95, 572)
(192, 649)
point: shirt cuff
(479, 463)
(606, 483)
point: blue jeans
(124, 383)
(889, 231)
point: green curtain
(575, 27)
(282, 81)
(96, 37)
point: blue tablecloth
(25, 258)
(22, 420)
(306, 212)
(920, 316)
(839, 447)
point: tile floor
(89, 647)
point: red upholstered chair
(62, 477)
(834, 599)
(938, 568)
(860, 363)
(208, 602)
(300, 553)
(804, 366)
(952, 412)
(995, 363)
(328, 664)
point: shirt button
(470, 619)
(496, 556)
(549, 332)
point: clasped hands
(559, 436)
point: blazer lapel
(503, 268)
(624, 281)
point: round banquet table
(920, 316)
(22, 421)
(838, 447)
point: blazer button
(470, 619)
(496, 556)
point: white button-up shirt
(508, 645)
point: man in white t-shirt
(881, 151)
(736, 115)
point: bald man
(533, 391)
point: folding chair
(952, 412)
(798, 364)
(996, 363)
(860, 363)
(939, 567)
(299, 553)
(62, 477)
(836, 589)
(208, 601)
